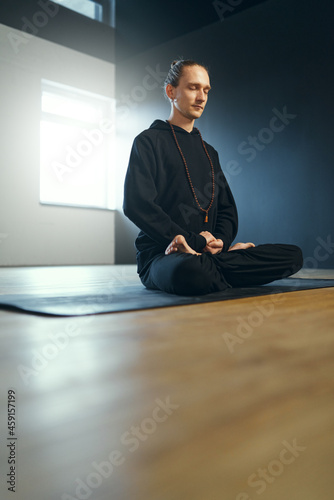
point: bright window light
(77, 136)
(99, 10)
(87, 8)
(69, 107)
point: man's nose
(201, 95)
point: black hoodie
(158, 197)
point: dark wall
(145, 24)
(269, 116)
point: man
(176, 193)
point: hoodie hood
(164, 125)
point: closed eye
(206, 90)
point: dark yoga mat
(127, 297)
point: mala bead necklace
(205, 210)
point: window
(76, 143)
(99, 10)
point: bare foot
(179, 244)
(241, 246)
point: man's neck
(181, 121)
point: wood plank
(238, 400)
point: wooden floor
(226, 400)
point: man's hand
(213, 245)
(241, 246)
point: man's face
(191, 95)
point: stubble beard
(194, 114)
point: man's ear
(170, 91)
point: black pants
(186, 274)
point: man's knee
(294, 260)
(297, 258)
(190, 277)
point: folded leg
(259, 265)
(184, 274)
(187, 274)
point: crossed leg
(183, 271)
